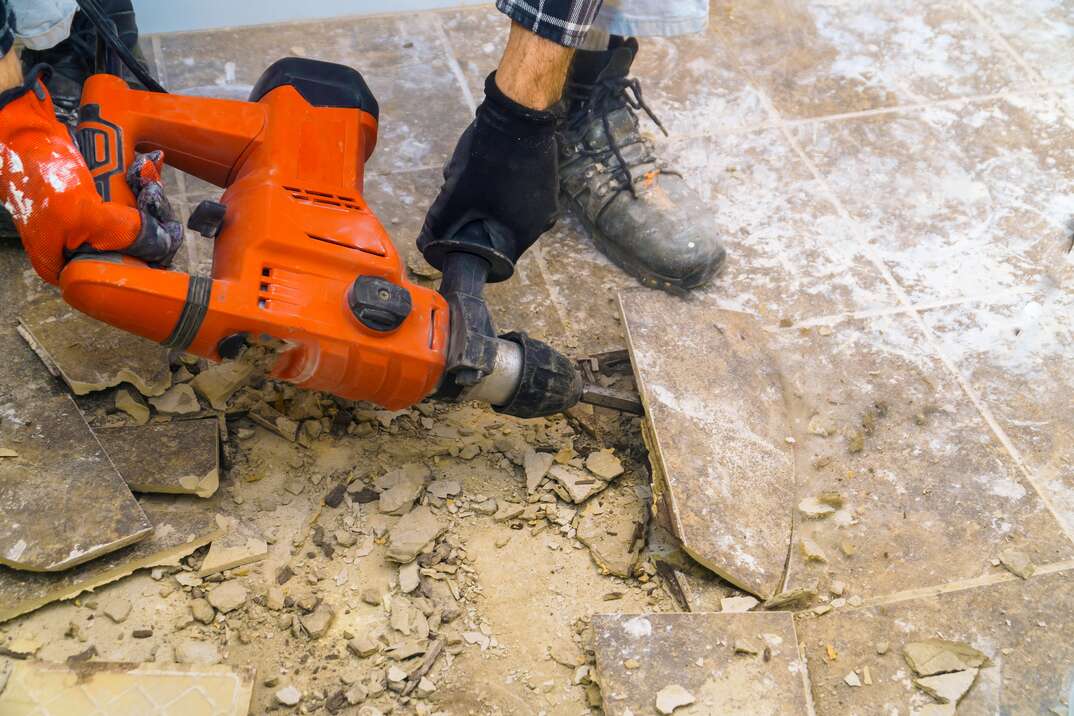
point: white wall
(173, 15)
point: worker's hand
(45, 185)
(504, 173)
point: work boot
(73, 61)
(640, 213)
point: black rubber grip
(186, 328)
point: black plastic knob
(379, 304)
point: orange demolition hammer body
(298, 255)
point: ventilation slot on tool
(265, 288)
(320, 198)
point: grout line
(453, 63)
(983, 19)
(834, 318)
(983, 410)
(961, 585)
(553, 291)
(1043, 88)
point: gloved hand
(45, 185)
(504, 173)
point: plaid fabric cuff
(564, 22)
(7, 28)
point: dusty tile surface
(720, 429)
(818, 58)
(639, 655)
(927, 495)
(176, 532)
(90, 355)
(964, 200)
(791, 255)
(178, 457)
(123, 689)
(1020, 626)
(237, 57)
(1041, 31)
(1016, 354)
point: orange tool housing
(294, 237)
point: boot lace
(608, 95)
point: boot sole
(646, 276)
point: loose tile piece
(178, 457)
(125, 689)
(176, 533)
(693, 654)
(90, 355)
(240, 544)
(62, 500)
(715, 404)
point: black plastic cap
(549, 383)
(379, 304)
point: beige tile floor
(901, 171)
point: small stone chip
(289, 696)
(738, 604)
(604, 464)
(672, 697)
(117, 609)
(852, 679)
(228, 596)
(202, 611)
(1017, 563)
(632, 664)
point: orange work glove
(47, 188)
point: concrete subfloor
(893, 180)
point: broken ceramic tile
(90, 355)
(612, 526)
(240, 544)
(176, 533)
(938, 656)
(579, 485)
(691, 652)
(1017, 563)
(536, 465)
(604, 464)
(217, 383)
(412, 532)
(947, 688)
(124, 689)
(62, 500)
(718, 429)
(177, 400)
(133, 404)
(177, 457)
